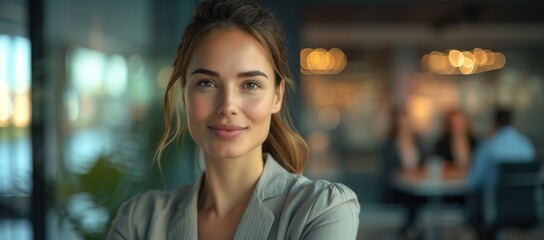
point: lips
(227, 131)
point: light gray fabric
(283, 206)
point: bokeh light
(328, 118)
(462, 62)
(321, 61)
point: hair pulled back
(285, 145)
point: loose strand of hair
(168, 136)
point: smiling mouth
(227, 132)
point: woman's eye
(206, 84)
(251, 85)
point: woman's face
(230, 93)
(458, 122)
(404, 124)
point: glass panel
(16, 229)
(15, 157)
(106, 69)
(15, 116)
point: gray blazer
(283, 206)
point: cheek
(259, 110)
(197, 109)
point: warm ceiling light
(321, 61)
(456, 58)
(340, 60)
(469, 66)
(480, 56)
(490, 58)
(462, 62)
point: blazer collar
(256, 220)
(274, 179)
(184, 222)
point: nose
(227, 103)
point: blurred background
(82, 82)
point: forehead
(225, 47)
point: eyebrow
(240, 75)
(252, 74)
(205, 72)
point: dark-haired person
(456, 144)
(402, 151)
(232, 71)
(505, 144)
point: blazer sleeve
(121, 225)
(133, 217)
(334, 214)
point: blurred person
(456, 144)
(402, 151)
(455, 147)
(505, 144)
(232, 70)
(403, 148)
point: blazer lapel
(256, 221)
(183, 226)
(258, 218)
(184, 221)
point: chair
(513, 201)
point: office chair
(513, 201)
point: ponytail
(286, 146)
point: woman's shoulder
(136, 214)
(319, 209)
(324, 195)
(318, 186)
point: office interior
(82, 84)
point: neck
(228, 183)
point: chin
(225, 155)
(225, 152)
(230, 150)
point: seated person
(505, 144)
(402, 150)
(457, 142)
(455, 146)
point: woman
(456, 143)
(455, 147)
(404, 151)
(232, 70)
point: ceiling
(423, 24)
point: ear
(278, 97)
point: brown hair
(285, 145)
